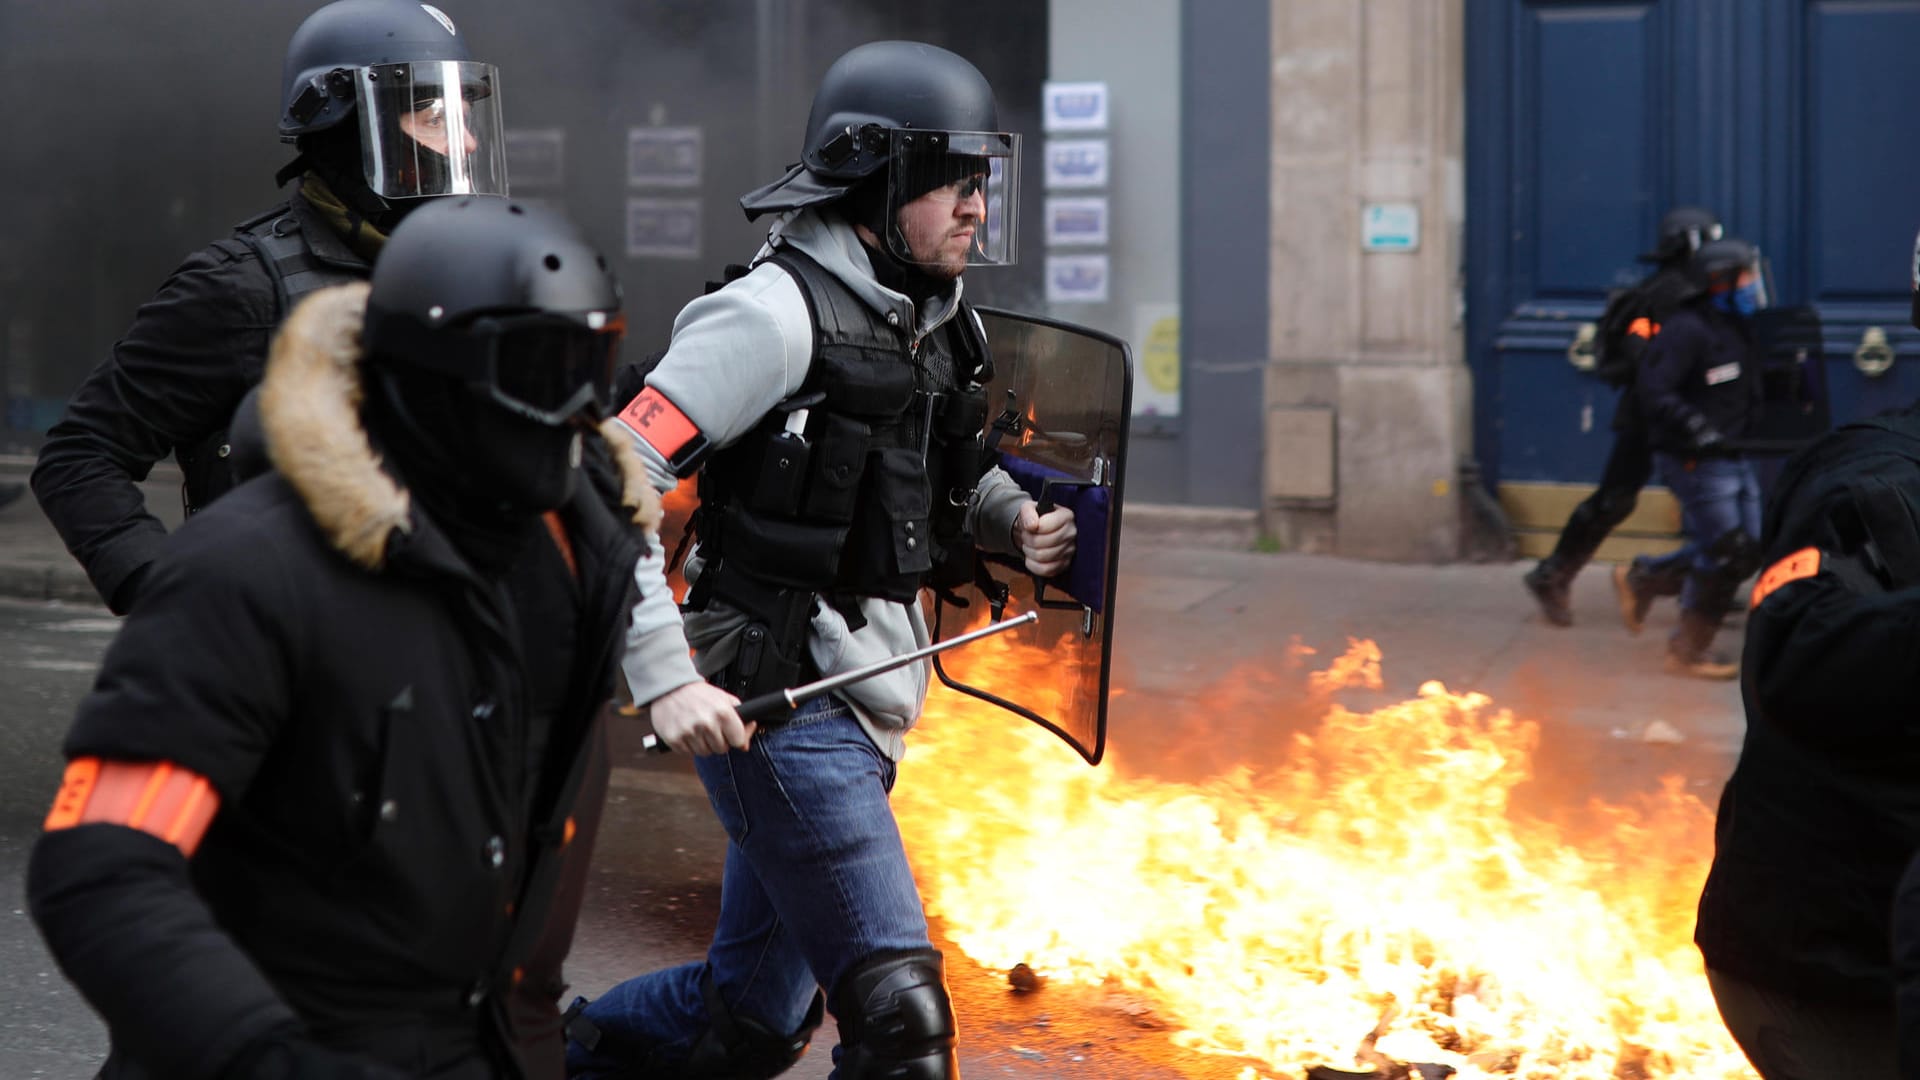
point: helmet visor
(953, 198)
(431, 128)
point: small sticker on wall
(1077, 279)
(1390, 227)
(1074, 106)
(1080, 220)
(663, 228)
(1076, 163)
(664, 156)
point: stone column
(1368, 404)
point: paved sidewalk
(1196, 606)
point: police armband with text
(661, 425)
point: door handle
(1580, 350)
(1874, 356)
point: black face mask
(533, 466)
(479, 459)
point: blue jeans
(816, 880)
(1717, 495)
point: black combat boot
(1687, 652)
(1551, 582)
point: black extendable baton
(781, 702)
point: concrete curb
(31, 581)
(34, 565)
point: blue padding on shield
(1085, 578)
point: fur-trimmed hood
(310, 415)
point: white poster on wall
(664, 156)
(1077, 279)
(1073, 106)
(663, 228)
(1079, 220)
(1076, 163)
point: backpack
(1625, 328)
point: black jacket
(1822, 811)
(1699, 378)
(169, 386)
(390, 873)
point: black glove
(290, 1058)
(1705, 438)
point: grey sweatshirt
(734, 355)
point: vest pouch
(782, 552)
(865, 382)
(782, 477)
(839, 461)
(961, 417)
(905, 508)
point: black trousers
(1629, 467)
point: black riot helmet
(919, 116)
(1682, 230)
(427, 113)
(1734, 273)
(506, 299)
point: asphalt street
(1193, 623)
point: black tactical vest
(858, 484)
(279, 238)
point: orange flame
(1374, 897)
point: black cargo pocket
(905, 505)
(783, 552)
(839, 461)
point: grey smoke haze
(141, 131)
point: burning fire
(1374, 899)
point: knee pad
(1737, 553)
(896, 1020)
(733, 1047)
(739, 1047)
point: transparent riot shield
(1059, 405)
(1795, 408)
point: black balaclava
(335, 155)
(483, 474)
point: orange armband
(156, 797)
(664, 427)
(1804, 563)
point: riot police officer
(832, 399)
(388, 109)
(1822, 811)
(345, 834)
(1628, 324)
(1700, 385)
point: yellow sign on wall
(1156, 384)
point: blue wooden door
(1793, 119)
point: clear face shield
(953, 198)
(431, 128)
(1753, 286)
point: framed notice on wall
(663, 228)
(1076, 163)
(1073, 106)
(1076, 220)
(664, 156)
(1077, 279)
